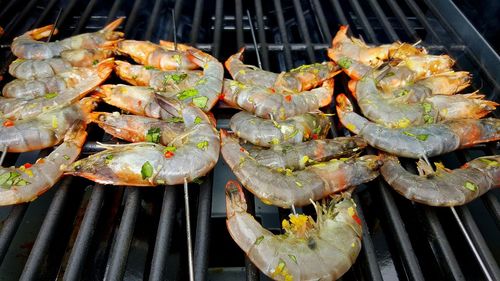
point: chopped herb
(293, 258)
(202, 81)
(108, 158)
(200, 102)
(408, 134)
(403, 93)
(317, 130)
(202, 145)
(153, 135)
(177, 59)
(146, 170)
(176, 78)
(275, 141)
(389, 74)
(189, 93)
(54, 122)
(50, 95)
(420, 137)
(298, 183)
(293, 134)
(175, 120)
(197, 120)
(259, 240)
(427, 107)
(66, 157)
(471, 186)
(428, 119)
(345, 62)
(489, 162)
(95, 62)
(169, 149)
(10, 179)
(160, 181)
(149, 67)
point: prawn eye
(311, 243)
(77, 167)
(429, 176)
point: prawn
(300, 79)
(299, 155)
(27, 182)
(266, 103)
(135, 128)
(172, 81)
(324, 249)
(285, 188)
(150, 54)
(443, 187)
(267, 132)
(86, 57)
(75, 78)
(35, 69)
(21, 108)
(191, 155)
(44, 130)
(26, 46)
(355, 49)
(393, 113)
(419, 141)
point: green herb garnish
(146, 170)
(153, 135)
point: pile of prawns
(412, 109)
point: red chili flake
(242, 149)
(272, 90)
(169, 154)
(27, 165)
(8, 123)
(356, 218)
(288, 98)
(314, 136)
(222, 96)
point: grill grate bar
(382, 18)
(86, 232)
(177, 11)
(47, 232)
(304, 32)
(323, 23)
(403, 20)
(491, 202)
(84, 17)
(113, 11)
(198, 8)
(26, 10)
(263, 49)
(201, 245)
(477, 242)
(163, 234)
(117, 261)
(284, 35)
(238, 11)
(66, 13)
(153, 19)
(219, 7)
(132, 17)
(45, 12)
(367, 248)
(365, 23)
(9, 228)
(340, 13)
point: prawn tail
(105, 67)
(104, 91)
(199, 57)
(42, 32)
(77, 133)
(88, 104)
(113, 25)
(235, 198)
(111, 45)
(480, 107)
(341, 35)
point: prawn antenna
(4, 153)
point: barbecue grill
(81, 230)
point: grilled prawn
(299, 79)
(150, 54)
(286, 188)
(26, 46)
(44, 130)
(35, 69)
(135, 128)
(443, 187)
(191, 155)
(267, 132)
(419, 141)
(27, 182)
(77, 79)
(22, 108)
(266, 103)
(309, 250)
(394, 113)
(297, 156)
(171, 81)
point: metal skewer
(259, 62)
(188, 231)
(175, 29)
(4, 153)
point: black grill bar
(47, 231)
(284, 37)
(177, 11)
(86, 232)
(219, 6)
(203, 229)
(21, 17)
(153, 20)
(132, 17)
(403, 20)
(320, 16)
(365, 24)
(303, 29)
(10, 226)
(198, 8)
(162, 246)
(367, 248)
(113, 11)
(263, 49)
(84, 17)
(382, 18)
(238, 13)
(120, 249)
(339, 12)
(66, 13)
(491, 202)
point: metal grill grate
(74, 232)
